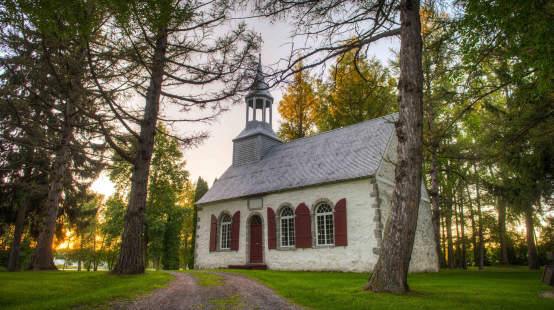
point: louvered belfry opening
(252, 144)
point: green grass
(66, 289)
(205, 279)
(496, 288)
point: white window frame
(225, 236)
(287, 235)
(327, 220)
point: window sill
(292, 248)
(323, 246)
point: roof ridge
(337, 129)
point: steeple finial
(259, 80)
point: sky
(211, 158)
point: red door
(256, 240)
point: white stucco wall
(367, 212)
(356, 256)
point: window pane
(284, 232)
(291, 232)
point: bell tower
(257, 138)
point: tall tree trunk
(391, 271)
(462, 230)
(480, 223)
(131, 258)
(43, 258)
(531, 248)
(80, 256)
(451, 259)
(436, 216)
(458, 259)
(443, 239)
(502, 231)
(473, 230)
(13, 260)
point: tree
(45, 59)
(160, 45)
(515, 38)
(165, 204)
(439, 92)
(201, 189)
(297, 107)
(83, 219)
(357, 90)
(369, 22)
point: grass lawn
(65, 289)
(495, 288)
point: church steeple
(257, 137)
(259, 98)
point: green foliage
(25, 253)
(171, 242)
(490, 289)
(518, 31)
(65, 290)
(357, 90)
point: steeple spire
(259, 83)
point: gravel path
(236, 292)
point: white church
(317, 203)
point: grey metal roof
(255, 128)
(347, 153)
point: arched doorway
(256, 256)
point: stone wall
(367, 209)
(357, 256)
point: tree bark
(531, 247)
(443, 239)
(451, 259)
(480, 223)
(131, 260)
(473, 230)
(502, 231)
(391, 271)
(458, 259)
(436, 216)
(462, 230)
(13, 260)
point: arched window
(287, 227)
(324, 224)
(225, 232)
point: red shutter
(213, 231)
(271, 228)
(340, 223)
(303, 226)
(235, 229)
